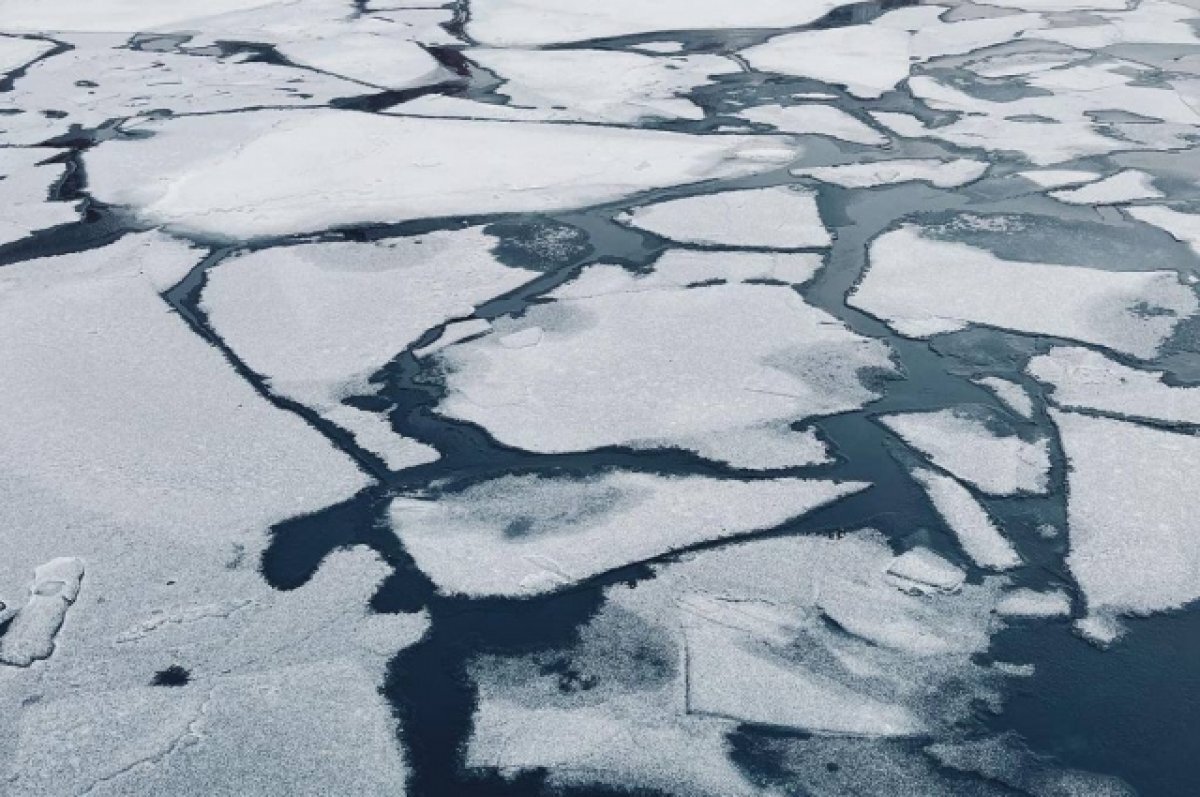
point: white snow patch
(922, 571)
(1183, 227)
(976, 531)
(1125, 186)
(943, 174)
(525, 535)
(781, 217)
(1031, 603)
(964, 445)
(1084, 379)
(923, 287)
(1013, 394)
(31, 635)
(1058, 178)
(815, 119)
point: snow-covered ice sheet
(508, 23)
(1183, 227)
(1125, 186)
(925, 287)
(275, 173)
(1133, 546)
(1013, 394)
(1033, 604)
(523, 535)
(782, 217)
(30, 637)
(943, 174)
(614, 365)
(968, 445)
(1079, 378)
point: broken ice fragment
(1123, 186)
(943, 174)
(781, 217)
(1031, 603)
(1013, 394)
(923, 571)
(31, 635)
(970, 522)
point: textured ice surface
(966, 444)
(778, 218)
(562, 84)
(1007, 760)
(307, 729)
(534, 22)
(30, 637)
(943, 174)
(523, 535)
(923, 287)
(815, 119)
(1083, 379)
(921, 570)
(317, 317)
(976, 531)
(1132, 527)
(255, 174)
(1181, 226)
(1013, 394)
(806, 633)
(1123, 186)
(621, 366)
(1031, 603)
(683, 267)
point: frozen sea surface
(531, 398)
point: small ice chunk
(1084, 379)
(525, 535)
(815, 119)
(923, 287)
(1058, 178)
(970, 522)
(1184, 227)
(31, 635)
(943, 174)
(1125, 186)
(1130, 513)
(921, 570)
(964, 445)
(682, 267)
(1031, 603)
(455, 332)
(781, 217)
(1102, 630)
(1013, 394)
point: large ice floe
(1133, 546)
(722, 370)
(923, 287)
(522, 535)
(254, 174)
(799, 633)
(136, 459)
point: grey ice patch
(31, 636)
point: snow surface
(256, 174)
(923, 287)
(921, 570)
(31, 635)
(24, 188)
(1183, 227)
(625, 367)
(781, 217)
(965, 445)
(1125, 186)
(1132, 526)
(1084, 379)
(943, 174)
(976, 531)
(525, 535)
(509, 23)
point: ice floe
(1058, 178)
(257, 174)
(1184, 227)
(1013, 394)
(317, 318)
(814, 119)
(507, 23)
(524, 535)
(1084, 379)
(943, 174)
(976, 531)
(722, 370)
(973, 447)
(30, 636)
(921, 571)
(1125, 186)
(1133, 546)
(923, 287)
(782, 217)
(1007, 760)
(25, 184)
(562, 84)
